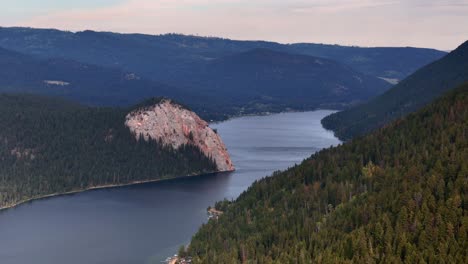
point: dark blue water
(148, 222)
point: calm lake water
(147, 223)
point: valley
(217, 78)
(148, 222)
(263, 146)
(411, 94)
(394, 195)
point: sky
(440, 24)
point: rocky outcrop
(174, 125)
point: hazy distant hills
(385, 62)
(259, 80)
(408, 96)
(89, 84)
(215, 77)
(255, 81)
(273, 79)
(164, 57)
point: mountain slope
(165, 57)
(390, 62)
(411, 94)
(396, 195)
(85, 83)
(277, 80)
(255, 81)
(90, 84)
(52, 146)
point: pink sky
(429, 23)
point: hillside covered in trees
(84, 83)
(167, 57)
(411, 94)
(396, 195)
(264, 80)
(52, 146)
(252, 82)
(218, 78)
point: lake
(148, 222)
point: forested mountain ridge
(269, 81)
(165, 57)
(92, 85)
(409, 95)
(84, 83)
(397, 195)
(50, 146)
(256, 81)
(385, 62)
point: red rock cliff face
(174, 125)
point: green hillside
(85, 83)
(252, 82)
(167, 57)
(387, 62)
(51, 146)
(264, 80)
(397, 195)
(408, 96)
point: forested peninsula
(50, 146)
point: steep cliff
(174, 125)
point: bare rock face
(175, 126)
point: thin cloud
(420, 23)
(335, 6)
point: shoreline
(269, 113)
(99, 187)
(108, 186)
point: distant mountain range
(215, 77)
(85, 83)
(260, 80)
(408, 96)
(165, 57)
(383, 62)
(267, 80)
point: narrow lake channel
(147, 223)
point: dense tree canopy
(52, 146)
(257, 81)
(413, 93)
(166, 57)
(396, 195)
